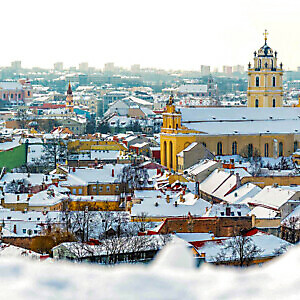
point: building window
(24, 230)
(19, 95)
(280, 149)
(117, 188)
(108, 188)
(274, 102)
(266, 150)
(250, 150)
(171, 155)
(100, 188)
(256, 102)
(28, 93)
(80, 191)
(12, 96)
(219, 148)
(274, 81)
(234, 148)
(295, 146)
(257, 81)
(204, 144)
(74, 192)
(259, 63)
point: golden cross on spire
(266, 35)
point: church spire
(69, 92)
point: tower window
(280, 149)
(295, 146)
(219, 148)
(256, 102)
(257, 81)
(266, 150)
(234, 148)
(274, 102)
(259, 63)
(250, 150)
(274, 81)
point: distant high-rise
(227, 70)
(238, 69)
(205, 70)
(16, 65)
(58, 66)
(135, 68)
(109, 67)
(84, 67)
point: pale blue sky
(166, 34)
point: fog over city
(162, 34)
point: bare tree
(290, 229)
(240, 249)
(22, 118)
(133, 177)
(54, 150)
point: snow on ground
(170, 276)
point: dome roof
(265, 51)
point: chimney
(18, 197)
(253, 220)
(238, 180)
(168, 199)
(15, 229)
(73, 169)
(175, 203)
(228, 211)
(113, 173)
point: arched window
(250, 150)
(234, 148)
(280, 152)
(171, 155)
(274, 81)
(219, 148)
(266, 150)
(272, 63)
(165, 154)
(259, 63)
(176, 126)
(256, 102)
(295, 146)
(274, 103)
(257, 81)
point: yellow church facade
(263, 128)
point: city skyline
(163, 35)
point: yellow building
(93, 144)
(265, 79)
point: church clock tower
(265, 79)
(69, 100)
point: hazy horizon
(170, 35)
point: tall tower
(69, 100)
(265, 79)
